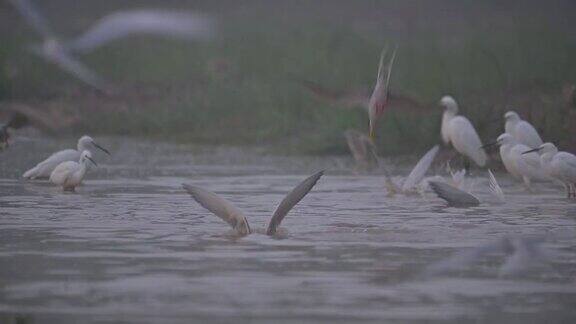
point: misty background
(244, 86)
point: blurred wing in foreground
(186, 25)
(291, 200)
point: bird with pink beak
(379, 99)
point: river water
(131, 246)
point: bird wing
(568, 158)
(349, 98)
(62, 171)
(454, 196)
(120, 24)
(494, 187)
(220, 207)
(33, 17)
(420, 169)
(79, 70)
(389, 70)
(291, 200)
(466, 141)
(527, 134)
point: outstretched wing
(79, 70)
(291, 200)
(120, 24)
(494, 187)
(420, 169)
(219, 207)
(454, 196)
(33, 17)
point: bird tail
(30, 174)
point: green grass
(487, 61)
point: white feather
(494, 187)
(417, 174)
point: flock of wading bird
(525, 156)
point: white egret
(520, 165)
(458, 131)
(523, 253)
(235, 218)
(69, 174)
(17, 120)
(379, 99)
(558, 165)
(522, 131)
(113, 26)
(457, 197)
(45, 168)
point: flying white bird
(558, 165)
(520, 165)
(522, 254)
(45, 168)
(457, 197)
(521, 130)
(458, 131)
(380, 95)
(113, 26)
(69, 174)
(235, 218)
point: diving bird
(410, 184)
(458, 131)
(521, 165)
(45, 168)
(521, 255)
(114, 26)
(457, 197)
(380, 95)
(558, 165)
(229, 213)
(16, 121)
(521, 130)
(70, 174)
(359, 98)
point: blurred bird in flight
(120, 24)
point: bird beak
(489, 145)
(101, 148)
(534, 150)
(94, 162)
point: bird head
(511, 116)
(86, 141)
(449, 104)
(87, 156)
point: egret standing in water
(558, 165)
(521, 130)
(520, 165)
(379, 99)
(69, 174)
(233, 216)
(45, 168)
(458, 131)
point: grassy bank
(240, 89)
